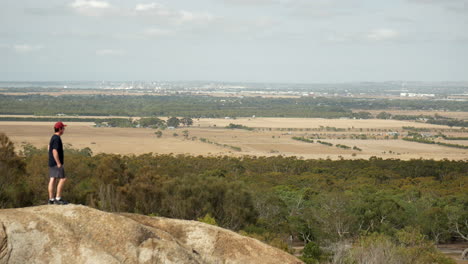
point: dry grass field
(272, 136)
(313, 123)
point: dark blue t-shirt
(55, 143)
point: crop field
(267, 137)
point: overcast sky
(234, 40)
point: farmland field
(270, 137)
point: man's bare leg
(51, 188)
(60, 186)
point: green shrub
(208, 219)
(312, 253)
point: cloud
(383, 34)
(90, 4)
(109, 52)
(25, 48)
(376, 35)
(150, 6)
(304, 8)
(163, 13)
(252, 2)
(91, 7)
(150, 12)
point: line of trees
(146, 122)
(427, 141)
(436, 119)
(452, 138)
(237, 126)
(205, 140)
(416, 137)
(325, 143)
(51, 119)
(303, 139)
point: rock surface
(79, 234)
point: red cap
(59, 125)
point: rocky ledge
(80, 234)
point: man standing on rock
(56, 170)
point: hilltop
(80, 234)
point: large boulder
(79, 234)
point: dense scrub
(205, 106)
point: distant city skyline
(277, 41)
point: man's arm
(56, 157)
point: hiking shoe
(60, 201)
(51, 201)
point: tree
(185, 133)
(173, 122)
(413, 247)
(121, 122)
(193, 196)
(362, 115)
(384, 115)
(158, 133)
(378, 211)
(153, 122)
(458, 219)
(12, 172)
(145, 192)
(434, 221)
(409, 247)
(334, 216)
(186, 121)
(312, 253)
(113, 174)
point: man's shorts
(56, 172)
